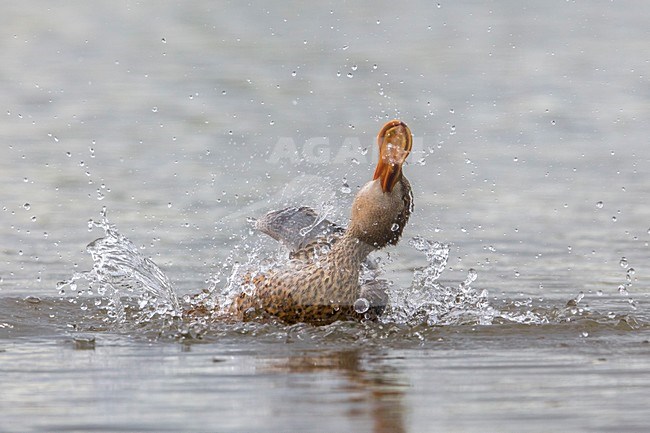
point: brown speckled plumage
(321, 283)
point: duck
(320, 283)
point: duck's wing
(302, 231)
(297, 227)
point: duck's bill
(395, 142)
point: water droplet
(163, 40)
(623, 262)
(472, 275)
(350, 75)
(33, 218)
(600, 205)
(169, 205)
(345, 47)
(248, 289)
(394, 227)
(272, 122)
(345, 188)
(631, 271)
(33, 299)
(154, 109)
(361, 305)
(293, 74)
(27, 206)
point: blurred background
(184, 119)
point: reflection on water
(377, 393)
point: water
(183, 121)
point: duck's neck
(350, 251)
(343, 265)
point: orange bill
(395, 142)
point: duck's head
(382, 206)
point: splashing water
(428, 301)
(120, 270)
(327, 208)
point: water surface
(181, 120)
